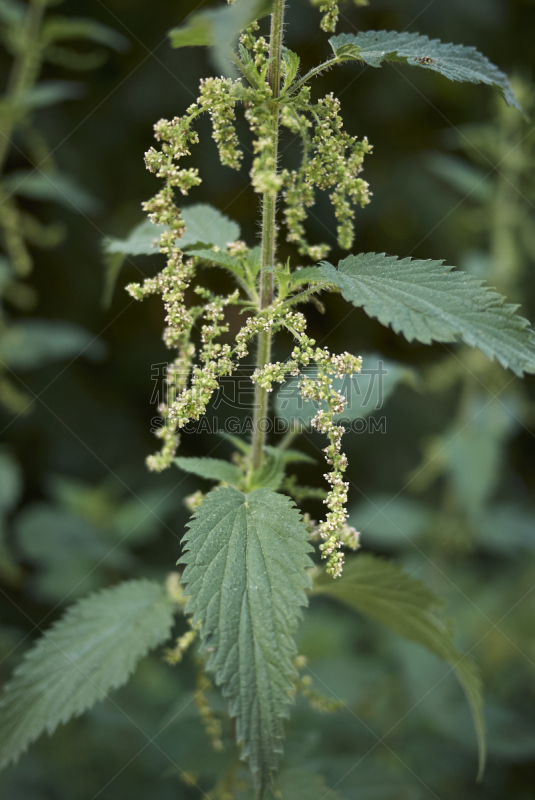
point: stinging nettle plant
(248, 552)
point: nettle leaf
(291, 63)
(211, 469)
(143, 240)
(93, 649)
(384, 592)
(254, 260)
(221, 259)
(59, 29)
(219, 29)
(305, 275)
(455, 61)
(206, 227)
(429, 301)
(246, 560)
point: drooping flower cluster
(173, 281)
(333, 531)
(332, 160)
(182, 403)
(171, 284)
(176, 137)
(215, 361)
(217, 96)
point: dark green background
(91, 424)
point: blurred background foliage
(448, 490)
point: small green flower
(332, 161)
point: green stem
(23, 73)
(268, 247)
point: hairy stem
(269, 208)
